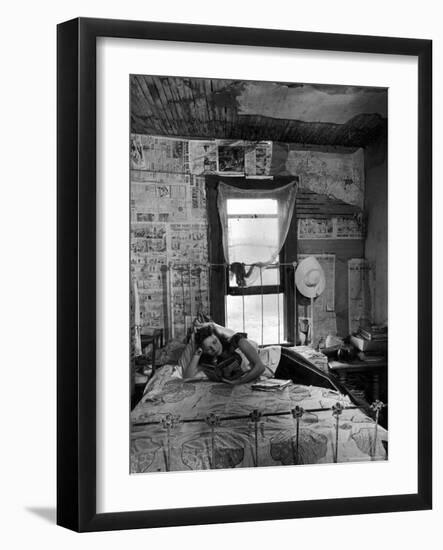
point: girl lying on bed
(230, 357)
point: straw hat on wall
(310, 277)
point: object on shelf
(368, 345)
(333, 341)
(371, 357)
(317, 358)
(374, 332)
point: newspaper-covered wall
(168, 235)
(169, 249)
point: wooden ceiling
(210, 108)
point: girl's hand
(212, 374)
(198, 352)
(198, 325)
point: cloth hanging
(258, 248)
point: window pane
(252, 240)
(251, 206)
(252, 321)
(270, 276)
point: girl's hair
(203, 333)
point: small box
(368, 345)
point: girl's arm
(192, 369)
(219, 329)
(251, 354)
(223, 331)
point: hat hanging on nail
(310, 277)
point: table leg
(342, 377)
(375, 386)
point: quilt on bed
(170, 443)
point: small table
(375, 369)
(372, 375)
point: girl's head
(208, 341)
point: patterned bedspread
(218, 441)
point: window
(254, 303)
(251, 222)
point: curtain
(249, 248)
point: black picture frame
(76, 266)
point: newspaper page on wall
(360, 287)
(258, 158)
(203, 158)
(330, 228)
(159, 154)
(231, 157)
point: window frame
(219, 272)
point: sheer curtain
(256, 245)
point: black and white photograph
(258, 273)
(226, 246)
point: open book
(271, 384)
(229, 368)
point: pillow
(270, 356)
(171, 353)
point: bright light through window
(253, 228)
(251, 206)
(272, 317)
(252, 232)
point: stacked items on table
(317, 358)
(372, 339)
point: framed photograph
(244, 274)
